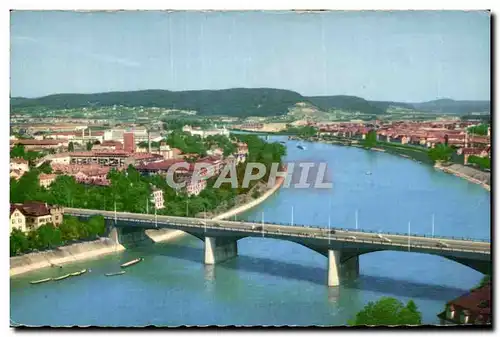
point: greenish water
(275, 282)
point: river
(275, 282)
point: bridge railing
(349, 230)
(303, 235)
(383, 232)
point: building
(19, 164)
(471, 308)
(108, 145)
(242, 152)
(39, 213)
(38, 145)
(16, 174)
(47, 179)
(17, 219)
(157, 198)
(165, 151)
(196, 131)
(128, 142)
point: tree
(18, 242)
(370, 139)
(17, 151)
(440, 152)
(388, 311)
(481, 129)
(89, 146)
(71, 147)
(45, 168)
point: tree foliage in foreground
(388, 311)
(48, 236)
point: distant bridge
(342, 247)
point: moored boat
(78, 273)
(117, 273)
(61, 277)
(130, 263)
(42, 280)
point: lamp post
(409, 230)
(432, 225)
(356, 217)
(262, 224)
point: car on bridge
(442, 244)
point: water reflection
(209, 273)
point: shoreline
(455, 171)
(98, 248)
(63, 255)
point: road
(284, 230)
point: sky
(403, 56)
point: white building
(19, 164)
(205, 133)
(157, 198)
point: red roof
(116, 153)
(36, 142)
(478, 301)
(19, 161)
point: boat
(302, 147)
(117, 273)
(130, 263)
(282, 142)
(42, 280)
(368, 173)
(61, 277)
(78, 273)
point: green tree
(440, 152)
(69, 228)
(370, 139)
(17, 151)
(89, 146)
(71, 147)
(18, 242)
(45, 168)
(388, 311)
(481, 129)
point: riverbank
(419, 155)
(162, 235)
(93, 249)
(63, 255)
(468, 173)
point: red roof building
(471, 308)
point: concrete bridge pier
(338, 270)
(219, 249)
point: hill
(347, 103)
(231, 102)
(243, 102)
(452, 106)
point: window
(57, 217)
(19, 220)
(13, 221)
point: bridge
(342, 247)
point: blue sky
(401, 56)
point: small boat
(130, 263)
(42, 280)
(282, 142)
(61, 277)
(302, 147)
(117, 273)
(368, 173)
(78, 273)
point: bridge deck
(323, 235)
